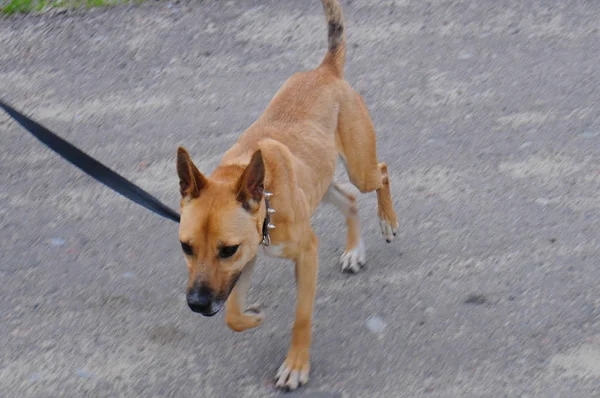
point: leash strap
(91, 166)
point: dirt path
(487, 113)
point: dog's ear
(191, 181)
(251, 185)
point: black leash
(91, 166)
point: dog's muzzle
(202, 301)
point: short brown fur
(291, 151)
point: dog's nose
(200, 300)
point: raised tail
(336, 53)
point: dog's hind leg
(353, 258)
(356, 144)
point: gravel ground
(487, 113)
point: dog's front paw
(354, 259)
(293, 373)
(251, 318)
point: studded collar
(266, 239)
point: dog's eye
(187, 249)
(228, 251)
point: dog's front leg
(294, 370)
(237, 316)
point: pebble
(526, 144)
(84, 374)
(322, 300)
(128, 275)
(57, 242)
(542, 201)
(476, 299)
(590, 134)
(376, 324)
(437, 141)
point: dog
(266, 189)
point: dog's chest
(273, 250)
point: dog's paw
(293, 373)
(353, 260)
(252, 317)
(389, 227)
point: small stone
(322, 300)
(83, 374)
(128, 275)
(464, 55)
(542, 201)
(475, 299)
(34, 377)
(436, 141)
(57, 242)
(526, 144)
(376, 324)
(590, 133)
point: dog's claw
(387, 230)
(255, 310)
(353, 260)
(288, 379)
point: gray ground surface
(487, 113)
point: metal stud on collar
(266, 240)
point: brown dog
(290, 153)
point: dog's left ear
(251, 185)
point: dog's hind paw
(353, 260)
(389, 228)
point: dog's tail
(336, 54)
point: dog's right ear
(251, 185)
(191, 181)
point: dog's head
(220, 228)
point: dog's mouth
(217, 304)
(213, 310)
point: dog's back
(305, 108)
